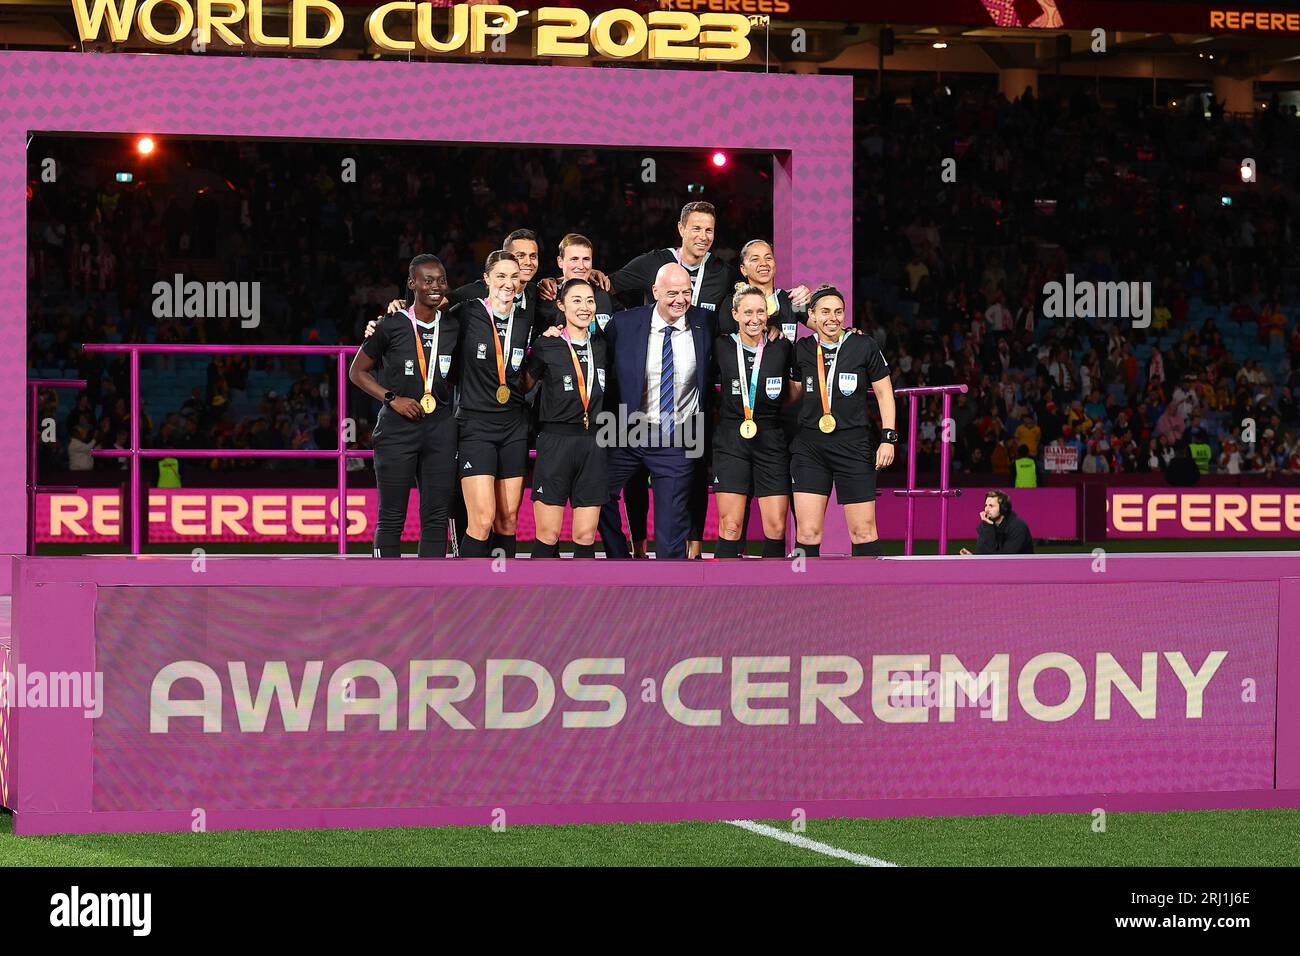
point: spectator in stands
(1229, 458)
(1028, 435)
(1182, 471)
(79, 450)
(1026, 469)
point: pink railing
(342, 453)
(134, 452)
(34, 386)
(943, 492)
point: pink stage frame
(804, 121)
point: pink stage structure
(266, 692)
(151, 692)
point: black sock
(867, 549)
(727, 549)
(543, 550)
(774, 547)
(584, 550)
(472, 547)
(809, 550)
(504, 542)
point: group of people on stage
(625, 402)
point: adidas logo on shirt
(467, 467)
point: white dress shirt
(684, 384)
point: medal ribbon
(496, 339)
(577, 367)
(426, 367)
(747, 397)
(825, 378)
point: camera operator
(1001, 530)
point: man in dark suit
(660, 357)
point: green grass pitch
(1244, 838)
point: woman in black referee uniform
(758, 267)
(494, 420)
(835, 372)
(750, 455)
(570, 466)
(415, 436)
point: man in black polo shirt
(713, 280)
(575, 262)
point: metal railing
(342, 453)
(943, 492)
(34, 386)
(134, 452)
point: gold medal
(428, 403)
(827, 422)
(748, 429)
(503, 392)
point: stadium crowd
(950, 274)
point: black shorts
(758, 466)
(493, 445)
(846, 458)
(570, 469)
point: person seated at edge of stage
(1001, 530)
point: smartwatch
(388, 397)
(889, 436)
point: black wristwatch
(889, 436)
(388, 397)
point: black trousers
(636, 499)
(420, 454)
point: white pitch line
(803, 842)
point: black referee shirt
(860, 364)
(785, 318)
(551, 364)
(478, 358)
(392, 346)
(772, 375)
(716, 288)
(549, 314)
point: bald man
(660, 357)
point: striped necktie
(667, 389)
